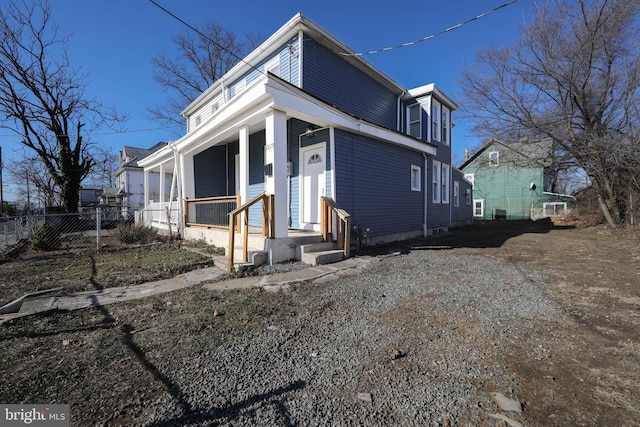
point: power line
(371, 52)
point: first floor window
(436, 181)
(478, 207)
(468, 197)
(456, 194)
(415, 178)
(445, 183)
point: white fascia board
(289, 30)
(304, 106)
(432, 89)
(243, 108)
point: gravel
(450, 318)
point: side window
(416, 182)
(444, 137)
(436, 181)
(414, 122)
(445, 183)
(435, 120)
(456, 194)
(469, 177)
(494, 158)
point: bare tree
(573, 76)
(102, 173)
(202, 59)
(32, 181)
(42, 96)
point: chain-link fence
(61, 231)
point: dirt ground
(586, 370)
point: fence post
(98, 227)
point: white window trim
(481, 201)
(436, 181)
(470, 177)
(436, 109)
(546, 205)
(445, 136)
(419, 121)
(445, 183)
(494, 158)
(416, 179)
(456, 194)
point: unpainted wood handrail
(268, 224)
(328, 207)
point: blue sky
(114, 40)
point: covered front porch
(254, 145)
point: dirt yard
(589, 365)
(580, 369)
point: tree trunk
(602, 202)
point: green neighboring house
(514, 181)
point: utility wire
(386, 49)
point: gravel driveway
(416, 339)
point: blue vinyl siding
(332, 79)
(373, 183)
(256, 175)
(289, 56)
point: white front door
(312, 175)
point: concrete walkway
(35, 303)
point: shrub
(135, 233)
(46, 238)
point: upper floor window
(198, 120)
(494, 157)
(414, 122)
(469, 177)
(435, 120)
(444, 137)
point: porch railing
(328, 207)
(268, 225)
(210, 212)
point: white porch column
(243, 136)
(162, 186)
(145, 187)
(276, 155)
(187, 178)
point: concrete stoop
(321, 253)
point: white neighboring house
(130, 180)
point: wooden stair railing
(328, 207)
(268, 225)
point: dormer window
(445, 125)
(435, 120)
(414, 122)
(198, 120)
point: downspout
(398, 118)
(426, 196)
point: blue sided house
(303, 141)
